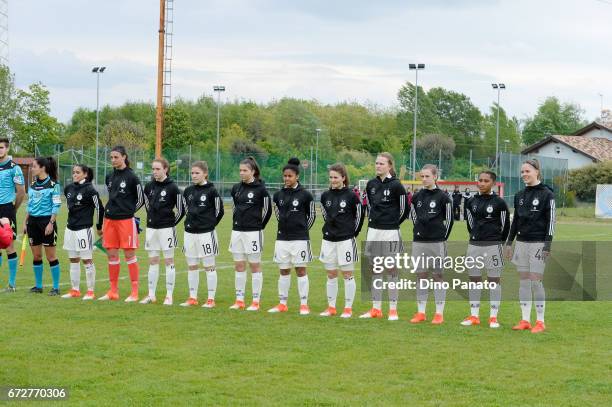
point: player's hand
(508, 252)
(545, 254)
(5, 221)
(49, 229)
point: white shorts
(292, 253)
(431, 256)
(383, 242)
(201, 245)
(492, 257)
(528, 257)
(246, 246)
(161, 240)
(339, 255)
(79, 243)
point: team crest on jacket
(328, 203)
(373, 191)
(419, 204)
(474, 207)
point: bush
(583, 181)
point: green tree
(553, 117)
(35, 125)
(458, 118)
(178, 132)
(508, 130)
(124, 132)
(427, 117)
(9, 102)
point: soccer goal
(603, 201)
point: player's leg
(282, 257)
(133, 268)
(11, 254)
(494, 298)
(90, 276)
(374, 247)
(50, 254)
(152, 277)
(439, 249)
(111, 242)
(170, 273)
(537, 264)
(239, 255)
(521, 260)
(254, 261)
(211, 280)
(331, 289)
(37, 266)
(303, 288)
(350, 288)
(75, 275)
(193, 278)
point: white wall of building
(558, 150)
(599, 133)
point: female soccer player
(533, 226)
(488, 223)
(44, 200)
(251, 214)
(343, 215)
(125, 198)
(432, 214)
(295, 211)
(161, 196)
(387, 210)
(82, 200)
(204, 212)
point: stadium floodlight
(218, 89)
(416, 68)
(317, 157)
(97, 70)
(498, 87)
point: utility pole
(159, 116)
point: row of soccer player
(431, 212)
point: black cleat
(36, 290)
(53, 292)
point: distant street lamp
(317, 157)
(416, 68)
(498, 87)
(97, 70)
(218, 89)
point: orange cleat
(522, 326)
(132, 298)
(471, 320)
(278, 308)
(72, 294)
(109, 296)
(239, 304)
(346, 313)
(191, 302)
(373, 313)
(437, 319)
(393, 315)
(210, 303)
(418, 317)
(304, 309)
(89, 295)
(254, 306)
(329, 312)
(539, 327)
(493, 322)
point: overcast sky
(329, 50)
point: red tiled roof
(596, 147)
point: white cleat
(148, 300)
(168, 301)
(254, 306)
(89, 296)
(131, 299)
(493, 322)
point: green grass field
(132, 354)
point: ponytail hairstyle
(89, 174)
(252, 164)
(50, 166)
(390, 160)
(535, 164)
(340, 169)
(434, 170)
(121, 150)
(203, 165)
(165, 164)
(293, 164)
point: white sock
(474, 295)
(440, 297)
(240, 285)
(211, 282)
(350, 287)
(153, 277)
(332, 291)
(525, 298)
(495, 299)
(256, 283)
(90, 276)
(393, 293)
(170, 279)
(193, 278)
(377, 292)
(539, 296)
(303, 287)
(421, 295)
(284, 282)
(75, 275)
